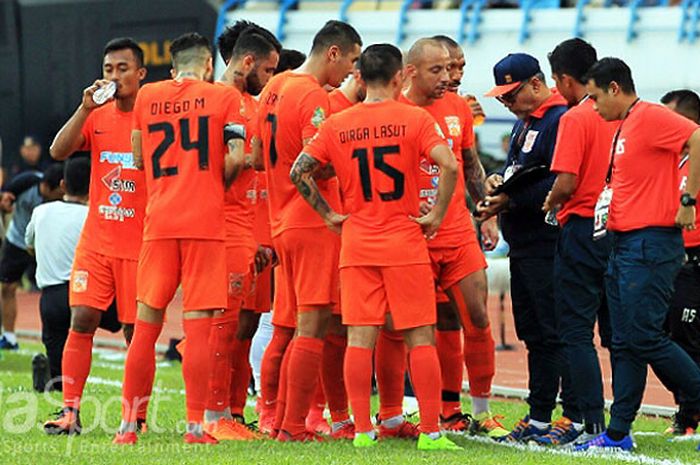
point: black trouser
(55, 323)
(683, 322)
(579, 281)
(537, 325)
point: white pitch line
(634, 458)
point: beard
(252, 83)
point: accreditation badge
(601, 213)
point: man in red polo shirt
(580, 160)
(644, 213)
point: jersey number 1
(378, 154)
(186, 142)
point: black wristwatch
(687, 200)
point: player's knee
(478, 315)
(313, 323)
(85, 319)
(421, 336)
(447, 318)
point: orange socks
(390, 370)
(240, 375)
(77, 359)
(270, 367)
(480, 359)
(332, 376)
(302, 377)
(139, 368)
(223, 329)
(449, 349)
(195, 366)
(281, 402)
(358, 376)
(425, 369)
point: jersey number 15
(378, 154)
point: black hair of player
(124, 43)
(336, 33)
(227, 40)
(252, 43)
(290, 59)
(76, 176)
(379, 63)
(687, 102)
(447, 41)
(573, 57)
(53, 175)
(188, 41)
(608, 70)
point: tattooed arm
(474, 175)
(302, 175)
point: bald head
(424, 48)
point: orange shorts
(198, 264)
(307, 275)
(96, 280)
(452, 264)
(260, 299)
(368, 293)
(239, 263)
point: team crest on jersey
(318, 117)
(530, 139)
(80, 281)
(453, 127)
(235, 284)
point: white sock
(393, 422)
(372, 434)
(434, 436)
(578, 426)
(195, 428)
(212, 416)
(480, 405)
(10, 337)
(539, 424)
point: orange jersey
(239, 199)
(293, 106)
(338, 101)
(376, 150)
(114, 224)
(261, 225)
(183, 148)
(454, 116)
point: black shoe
(172, 353)
(40, 372)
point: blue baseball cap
(511, 71)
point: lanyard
(613, 149)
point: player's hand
(335, 221)
(491, 205)
(424, 208)
(475, 106)
(430, 223)
(685, 218)
(489, 233)
(547, 206)
(263, 258)
(492, 182)
(6, 201)
(88, 103)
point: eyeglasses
(510, 97)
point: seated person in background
(52, 235)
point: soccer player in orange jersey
(479, 348)
(188, 135)
(375, 148)
(292, 109)
(106, 258)
(351, 92)
(251, 63)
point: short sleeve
(671, 130)
(571, 144)
(313, 111)
(29, 232)
(429, 134)
(136, 122)
(320, 144)
(468, 126)
(233, 108)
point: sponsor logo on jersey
(79, 281)
(115, 213)
(125, 159)
(318, 117)
(453, 127)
